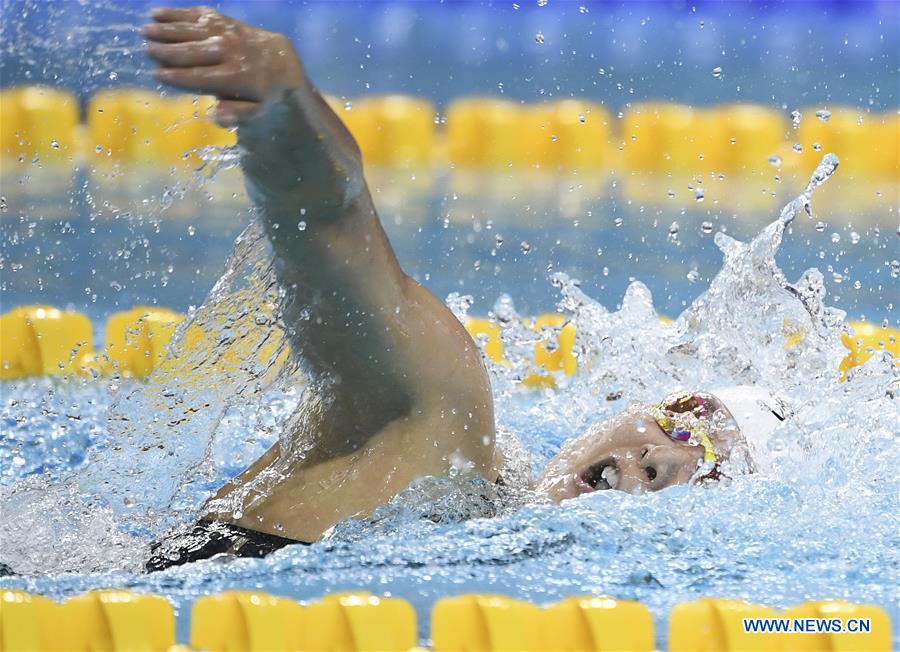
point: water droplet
(498, 240)
(539, 38)
(581, 118)
(673, 228)
(191, 230)
(3, 205)
(854, 237)
(706, 227)
(618, 221)
(835, 237)
(348, 105)
(113, 75)
(698, 195)
(838, 277)
(817, 147)
(582, 9)
(599, 251)
(301, 225)
(797, 148)
(795, 118)
(823, 115)
(525, 246)
(542, 3)
(820, 226)
(895, 268)
(54, 144)
(693, 276)
(775, 160)
(717, 72)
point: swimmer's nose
(656, 467)
(633, 475)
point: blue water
(815, 526)
(81, 241)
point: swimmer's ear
(231, 113)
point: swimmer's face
(630, 453)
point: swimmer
(402, 390)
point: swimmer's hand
(200, 50)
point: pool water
(92, 469)
(101, 242)
(85, 487)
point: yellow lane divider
(488, 622)
(134, 125)
(46, 341)
(136, 339)
(485, 622)
(242, 620)
(116, 621)
(736, 139)
(715, 624)
(602, 624)
(391, 130)
(28, 622)
(140, 126)
(39, 123)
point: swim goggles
(684, 417)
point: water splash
(752, 537)
(820, 175)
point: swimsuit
(209, 538)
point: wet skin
(629, 453)
(632, 453)
(402, 390)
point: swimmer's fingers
(224, 80)
(231, 113)
(175, 14)
(184, 55)
(175, 32)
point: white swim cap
(757, 411)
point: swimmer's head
(682, 440)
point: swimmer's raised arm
(408, 394)
(303, 169)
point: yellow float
(43, 340)
(39, 123)
(117, 621)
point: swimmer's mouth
(598, 477)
